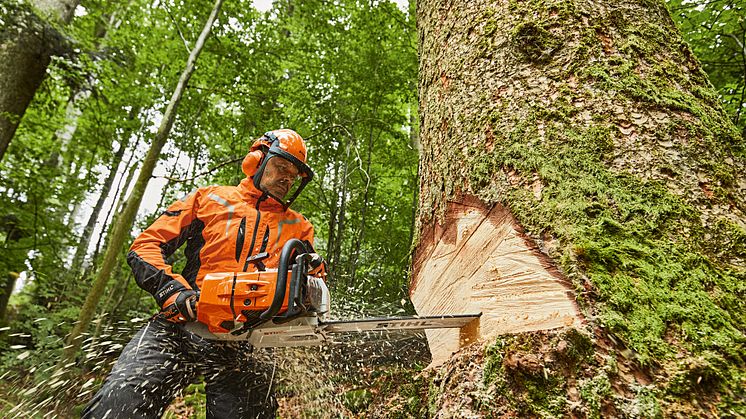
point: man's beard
(277, 189)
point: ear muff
(251, 162)
(254, 158)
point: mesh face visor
(292, 187)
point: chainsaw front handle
(282, 270)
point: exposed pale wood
(479, 261)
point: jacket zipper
(253, 234)
(240, 238)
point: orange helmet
(284, 143)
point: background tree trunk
(123, 225)
(12, 264)
(336, 239)
(85, 236)
(575, 151)
(27, 43)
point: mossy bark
(27, 42)
(593, 122)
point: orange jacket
(223, 226)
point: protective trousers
(163, 358)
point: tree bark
(27, 43)
(333, 209)
(10, 283)
(124, 222)
(575, 151)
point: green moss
(357, 400)
(544, 396)
(636, 250)
(432, 399)
(415, 402)
(195, 397)
(530, 392)
(535, 42)
(580, 346)
(482, 169)
(594, 391)
(663, 85)
(490, 23)
(493, 367)
(641, 246)
(598, 138)
(645, 404)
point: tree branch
(178, 28)
(214, 168)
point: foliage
(716, 32)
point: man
(225, 228)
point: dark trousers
(162, 359)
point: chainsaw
(286, 307)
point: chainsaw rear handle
(282, 276)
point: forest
(603, 140)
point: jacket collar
(251, 195)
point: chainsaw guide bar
(309, 331)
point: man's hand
(181, 307)
(317, 265)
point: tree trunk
(335, 262)
(364, 210)
(124, 221)
(575, 151)
(27, 43)
(85, 236)
(10, 283)
(333, 209)
(117, 206)
(12, 263)
(122, 293)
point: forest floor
(560, 373)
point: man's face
(279, 176)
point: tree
(575, 151)
(28, 40)
(120, 231)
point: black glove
(317, 265)
(315, 261)
(184, 309)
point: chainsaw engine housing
(232, 299)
